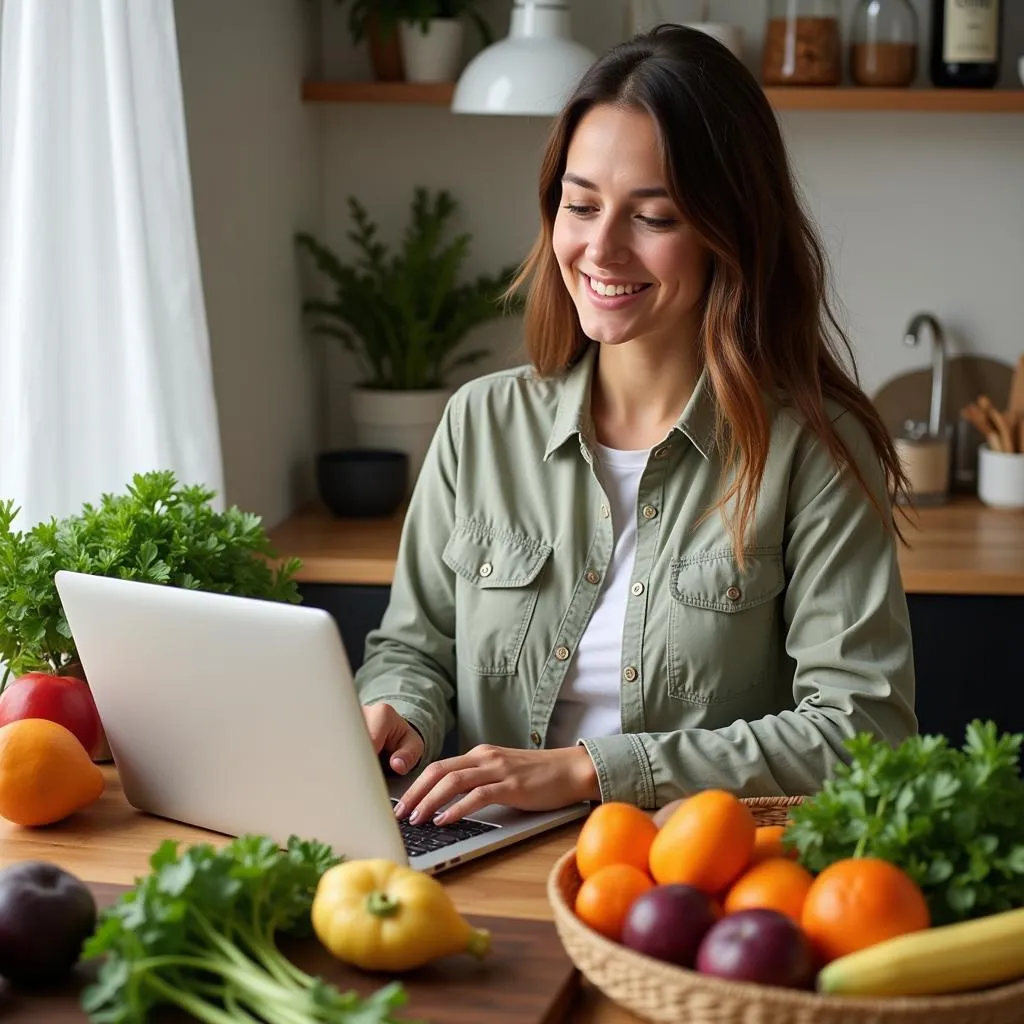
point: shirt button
(592, 576)
(604, 512)
(562, 653)
(649, 512)
(486, 569)
(734, 593)
(637, 589)
(662, 452)
(629, 674)
(535, 738)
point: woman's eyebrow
(651, 192)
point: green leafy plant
(156, 532)
(388, 13)
(404, 314)
(199, 933)
(952, 819)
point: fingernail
(414, 817)
(399, 809)
(440, 818)
(398, 764)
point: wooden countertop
(963, 547)
(112, 842)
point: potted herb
(156, 532)
(404, 315)
(376, 21)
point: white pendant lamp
(532, 71)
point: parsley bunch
(952, 819)
(157, 532)
(198, 933)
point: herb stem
(876, 819)
(199, 1008)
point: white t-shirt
(588, 702)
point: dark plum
(762, 946)
(668, 922)
(46, 914)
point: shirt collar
(573, 419)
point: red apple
(62, 699)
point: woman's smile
(611, 294)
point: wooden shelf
(979, 101)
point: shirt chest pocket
(496, 594)
(724, 631)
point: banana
(949, 958)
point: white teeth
(614, 289)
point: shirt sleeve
(410, 657)
(848, 633)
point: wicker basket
(667, 994)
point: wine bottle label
(972, 32)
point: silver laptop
(240, 716)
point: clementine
(775, 883)
(605, 897)
(707, 842)
(768, 843)
(45, 773)
(614, 833)
(858, 902)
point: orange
(768, 843)
(45, 773)
(614, 833)
(775, 883)
(707, 842)
(858, 902)
(605, 897)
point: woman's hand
(392, 734)
(530, 780)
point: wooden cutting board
(526, 979)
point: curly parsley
(952, 819)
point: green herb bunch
(198, 932)
(404, 314)
(952, 819)
(156, 532)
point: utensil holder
(1000, 478)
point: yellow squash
(950, 958)
(382, 916)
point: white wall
(919, 211)
(254, 152)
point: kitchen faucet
(913, 337)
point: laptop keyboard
(428, 838)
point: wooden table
(112, 842)
(962, 547)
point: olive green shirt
(748, 681)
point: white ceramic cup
(1000, 478)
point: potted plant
(432, 32)
(377, 22)
(404, 316)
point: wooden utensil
(980, 421)
(1016, 402)
(998, 421)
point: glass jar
(802, 44)
(883, 43)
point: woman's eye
(657, 222)
(578, 209)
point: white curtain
(104, 352)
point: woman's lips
(607, 299)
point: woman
(661, 558)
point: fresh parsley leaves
(157, 532)
(198, 932)
(952, 819)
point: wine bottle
(966, 38)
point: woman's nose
(606, 244)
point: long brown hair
(769, 324)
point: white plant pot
(402, 421)
(434, 55)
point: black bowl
(362, 483)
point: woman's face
(633, 265)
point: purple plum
(668, 922)
(762, 946)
